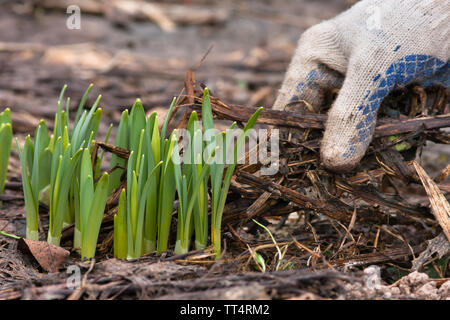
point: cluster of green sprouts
(207, 163)
(56, 170)
(59, 170)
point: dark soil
(128, 56)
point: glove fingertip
(337, 159)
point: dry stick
(120, 152)
(371, 194)
(420, 95)
(76, 295)
(377, 257)
(255, 206)
(270, 117)
(399, 237)
(315, 254)
(182, 256)
(388, 128)
(391, 158)
(443, 175)
(362, 177)
(294, 196)
(189, 87)
(440, 100)
(439, 205)
(253, 210)
(242, 243)
(377, 237)
(316, 121)
(349, 229)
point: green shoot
(63, 172)
(220, 184)
(12, 236)
(192, 181)
(50, 168)
(92, 205)
(116, 162)
(5, 143)
(279, 256)
(35, 160)
(145, 206)
(120, 228)
(259, 260)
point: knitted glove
(366, 51)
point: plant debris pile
(374, 214)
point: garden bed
(328, 227)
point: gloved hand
(366, 51)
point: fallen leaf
(439, 205)
(49, 256)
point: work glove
(365, 52)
